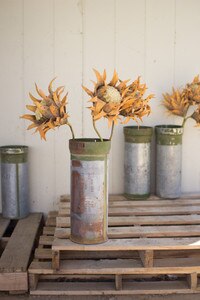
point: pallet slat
(138, 220)
(18, 250)
(108, 288)
(118, 266)
(130, 244)
(140, 231)
(145, 211)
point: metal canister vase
(137, 161)
(14, 181)
(168, 161)
(89, 190)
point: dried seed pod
(116, 98)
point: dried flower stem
(112, 130)
(184, 120)
(97, 132)
(72, 132)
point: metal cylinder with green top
(168, 160)
(89, 190)
(137, 161)
(14, 181)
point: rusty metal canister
(137, 161)
(168, 161)
(14, 181)
(89, 190)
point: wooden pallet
(17, 240)
(153, 247)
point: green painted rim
(135, 134)
(89, 148)
(137, 197)
(14, 154)
(169, 134)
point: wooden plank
(118, 266)
(43, 253)
(140, 220)
(130, 244)
(46, 240)
(33, 281)
(48, 230)
(192, 280)
(108, 288)
(52, 214)
(152, 203)
(3, 225)
(13, 281)
(146, 203)
(118, 282)
(64, 205)
(46, 253)
(62, 233)
(145, 211)
(121, 197)
(17, 253)
(51, 221)
(142, 231)
(55, 260)
(64, 198)
(147, 258)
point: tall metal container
(14, 181)
(89, 190)
(137, 161)
(168, 161)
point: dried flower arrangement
(117, 98)
(111, 100)
(180, 101)
(49, 112)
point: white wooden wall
(40, 39)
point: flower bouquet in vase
(116, 101)
(184, 103)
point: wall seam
(23, 72)
(145, 35)
(174, 50)
(54, 137)
(83, 64)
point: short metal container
(89, 190)
(168, 161)
(14, 181)
(137, 161)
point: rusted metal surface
(89, 191)
(168, 161)
(137, 161)
(14, 181)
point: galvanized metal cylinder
(14, 181)
(168, 161)
(137, 161)
(89, 190)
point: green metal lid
(89, 146)
(169, 134)
(169, 129)
(138, 134)
(14, 149)
(14, 153)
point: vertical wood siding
(39, 40)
